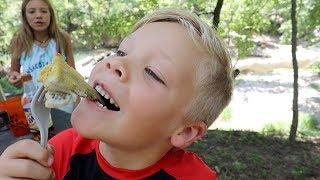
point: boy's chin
(81, 128)
(80, 111)
(79, 121)
(82, 123)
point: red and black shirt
(78, 158)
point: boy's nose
(118, 68)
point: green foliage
(256, 159)
(299, 172)
(8, 22)
(226, 114)
(307, 126)
(316, 67)
(100, 23)
(4, 59)
(8, 88)
(278, 128)
(244, 44)
(239, 166)
(242, 19)
(315, 86)
(308, 22)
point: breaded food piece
(63, 83)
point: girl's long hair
(23, 39)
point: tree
(216, 14)
(295, 109)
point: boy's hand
(26, 159)
(15, 78)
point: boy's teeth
(102, 92)
(105, 94)
(100, 105)
(98, 88)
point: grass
(226, 114)
(307, 127)
(266, 154)
(252, 155)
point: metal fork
(41, 114)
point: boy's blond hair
(214, 83)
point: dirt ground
(264, 90)
(250, 155)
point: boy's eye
(121, 53)
(154, 75)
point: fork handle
(44, 138)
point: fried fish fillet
(63, 83)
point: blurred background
(258, 34)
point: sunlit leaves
(96, 23)
(9, 21)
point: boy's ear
(188, 134)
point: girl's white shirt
(33, 62)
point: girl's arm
(69, 51)
(69, 56)
(14, 74)
(15, 65)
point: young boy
(168, 81)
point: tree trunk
(216, 14)
(295, 109)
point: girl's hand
(26, 159)
(15, 78)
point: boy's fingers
(26, 168)
(50, 148)
(29, 149)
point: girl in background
(34, 45)
(37, 41)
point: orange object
(18, 123)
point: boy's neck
(132, 160)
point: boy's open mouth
(107, 101)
